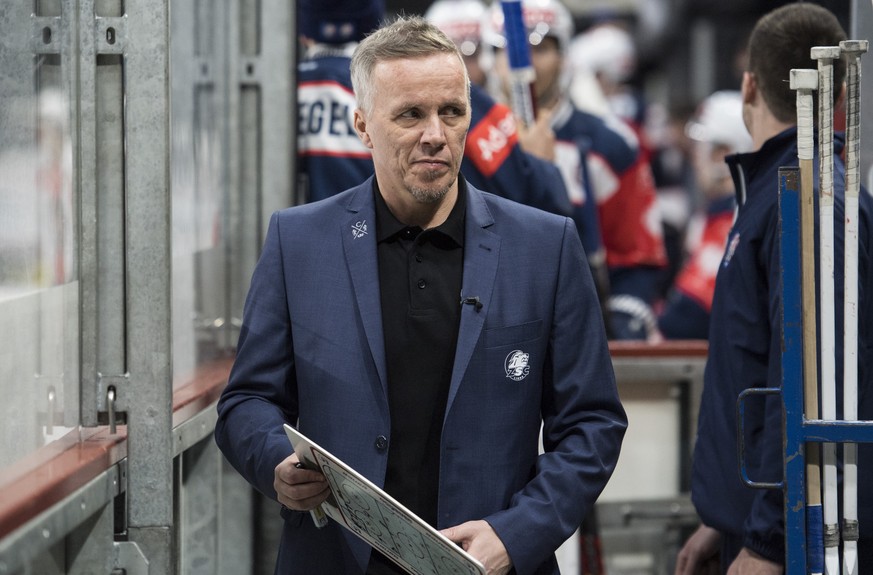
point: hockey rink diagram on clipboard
(374, 516)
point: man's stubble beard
(429, 196)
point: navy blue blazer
(311, 353)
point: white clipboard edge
(312, 456)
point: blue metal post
(797, 429)
(792, 371)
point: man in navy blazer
(527, 350)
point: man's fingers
(302, 496)
(292, 475)
(303, 504)
(457, 534)
(682, 564)
(297, 488)
(479, 540)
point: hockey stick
(825, 55)
(852, 50)
(521, 71)
(805, 82)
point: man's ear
(749, 88)
(360, 123)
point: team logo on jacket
(517, 365)
(731, 248)
(359, 230)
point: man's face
(712, 175)
(547, 60)
(417, 127)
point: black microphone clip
(473, 301)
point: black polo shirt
(420, 281)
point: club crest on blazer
(517, 365)
(359, 230)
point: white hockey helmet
(605, 49)
(460, 20)
(719, 120)
(542, 18)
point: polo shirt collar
(388, 226)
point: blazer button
(381, 443)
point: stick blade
(832, 561)
(850, 558)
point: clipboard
(367, 511)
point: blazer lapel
(358, 233)
(481, 254)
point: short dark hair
(780, 41)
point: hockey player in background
(716, 132)
(602, 164)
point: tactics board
(377, 518)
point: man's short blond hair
(405, 37)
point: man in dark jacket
(745, 524)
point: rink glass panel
(39, 288)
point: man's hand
(750, 563)
(297, 488)
(479, 540)
(700, 547)
(538, 139)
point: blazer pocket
(502, 336)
